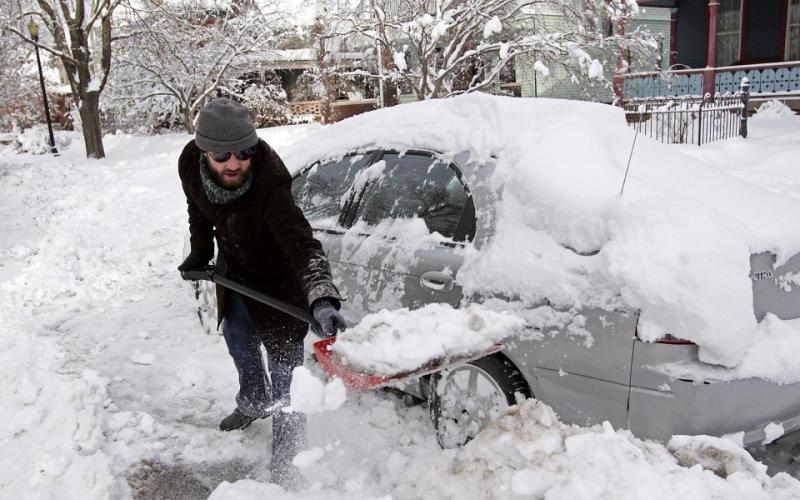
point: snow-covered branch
(457, 46)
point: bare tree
(189, 52)
(448, 47)
(80, 36)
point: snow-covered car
(667, 308)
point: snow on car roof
(675, 246)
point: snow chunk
(141, 358)
(493, 26)
(309, 394)
(540, 68)
(533, 483)
(246, 489)
(596, 70)
(400, 61)
(308, 458)
(719, 455)
(425, 20)
(391, 342)
(772, 432)
(52, 466)
(504, 50)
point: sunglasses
(243, 155)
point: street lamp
(33, 29)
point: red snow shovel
(333, 364)
(355, 380)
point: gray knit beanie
(224, 126)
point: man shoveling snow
(238, 192)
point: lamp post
(33, 29)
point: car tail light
(669, 339)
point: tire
(463, 400)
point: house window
(793, 31)
(729, 23)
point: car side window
(416, 185)
(322, 190)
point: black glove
(327, 320)
(197, 260)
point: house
(714, 44)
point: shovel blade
(358, 380)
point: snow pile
(309, 394)
(36, 140)
(527, 453)
(773, 109)
(532, 455)
(53, 433)
(676, 245)
(393, 342)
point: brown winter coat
(263, 242)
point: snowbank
(773, 109)
(675, 245)
(527, 453)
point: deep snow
(110, 387)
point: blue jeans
(256, 395)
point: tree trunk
(90, 120)
(188, 118)
(326, 76)
(387, 62)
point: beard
(229, 182)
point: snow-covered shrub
(19, 110)
(143, 116)
(267, 100)
(308, 86)
(36, 140)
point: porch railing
(690, 119)
(767, 81)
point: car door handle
(436, 280)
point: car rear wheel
(463, 400)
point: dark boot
(235, 421)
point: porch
(767, 81)
(714, 44)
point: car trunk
(776, 289)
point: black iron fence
(689, 119)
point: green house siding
(560, 85)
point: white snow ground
(110, 387)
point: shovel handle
(208, 273)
